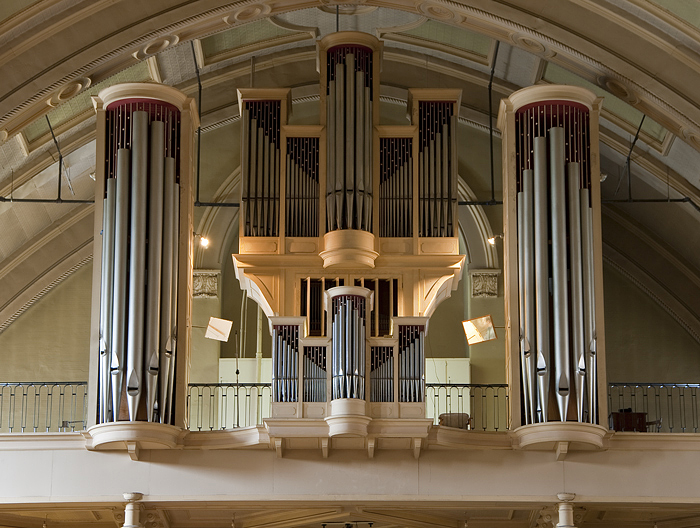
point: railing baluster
(38, 409)
(665, 405)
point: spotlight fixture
(203, 241)
(479, 329)
(492, 240)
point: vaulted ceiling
(642, 56)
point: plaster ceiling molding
(352, 7)
(156, 46)
(45, 159)
(437, 11)
(43, 283)
(657, 292)
(691, 136)
(532, 45)
(277, 21)
(617, 105)
(258, 35)
(658, 108)
(3, 136)
(112, 60)
(205, 284)
(665, 175)
(247, 13)
(69, 90)
(484, 283)
(76, 108)
(450, 39)
(619, 89)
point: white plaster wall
(76, 475)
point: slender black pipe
(487, 202)
(199, 113)
(60, 157)
(493, 71)
(629, 156)
(60, 173)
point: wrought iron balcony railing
(663, 407)
(37, 406)
(27, 407)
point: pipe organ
(349, 118)
(141, 251)
(260, 167)
(554, 266)
(363, 245)
(437, 168)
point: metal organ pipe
(553, 206)
(118, 349)
(139, 325)
(349, 127)
(137, 262)
(170, 169)
(559, 286)
(107, 297)
(155, 247)
(167, 331)
(526, 281)
(577, 324)
(542, 350)
(589, 303)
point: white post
(132, 510)
(258, 350)
(566, 510)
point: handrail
(667, 407)
(43, 406)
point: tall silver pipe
(166, 288)
(524, 345)
(137, 262)
(575, 265)
(106, 298)
(559, 286)
(339, 142)
(349, 146)
(170, 168)
(589, 302)
(368, 150)
(330, 157)
(542, 366)
(155, 248)
(530, 338)
(275, 364)
(121, 256)
(359, 146)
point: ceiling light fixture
(203, 241)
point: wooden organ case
(348, 242)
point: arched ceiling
(643, 56)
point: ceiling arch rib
(510, 21)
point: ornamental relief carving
(484, 283)
(205, 284)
